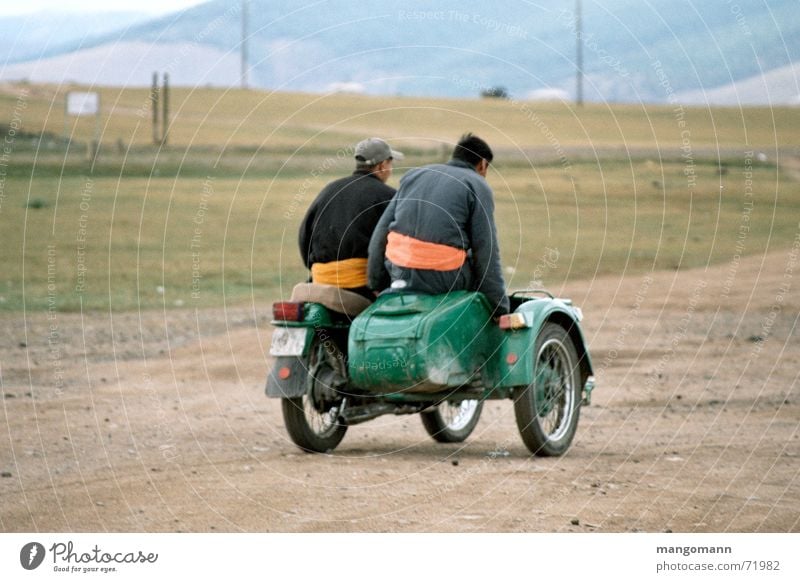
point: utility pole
(165, 112)
(579, 53)
(245, 15)
(154, 102)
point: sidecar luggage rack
(532, 291)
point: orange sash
(412, 253)
(348, 274)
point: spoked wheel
(312, 420)
(452, 422)
(547, 410)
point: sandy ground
(158, 422)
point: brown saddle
(334, 298)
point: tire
(547, 410)
(311, 431)
(452, 423)
(312, 419)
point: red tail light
(287, 311)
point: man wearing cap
(335, 233)
(438, 232)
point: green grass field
(212, 218)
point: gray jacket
(448, 204)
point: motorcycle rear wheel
(309, 429)
(312, 420)
(452, 423)
(547, 410)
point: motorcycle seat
(334, 298)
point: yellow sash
(348, 274)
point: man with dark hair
(336, 230)
(438, 232)
(473, 150)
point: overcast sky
(12, 7)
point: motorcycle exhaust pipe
(359, 414)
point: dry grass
(219, 117)
(215, 223)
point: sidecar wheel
(452, 423)
(547, 410)
(312, 431)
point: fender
(513, 361)
(287, 378)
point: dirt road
(158, 422)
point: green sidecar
(440, 356)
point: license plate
(288, 341)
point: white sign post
(80, 103)
(84, 104)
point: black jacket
(340, 221)
(448, 204)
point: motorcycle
(341, 361)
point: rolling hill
(45, 34)
(633, 51)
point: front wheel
(452, 423)
(547, 410)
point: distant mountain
(632, 50)
(44, 34)
(781, 85)
(132, 63)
